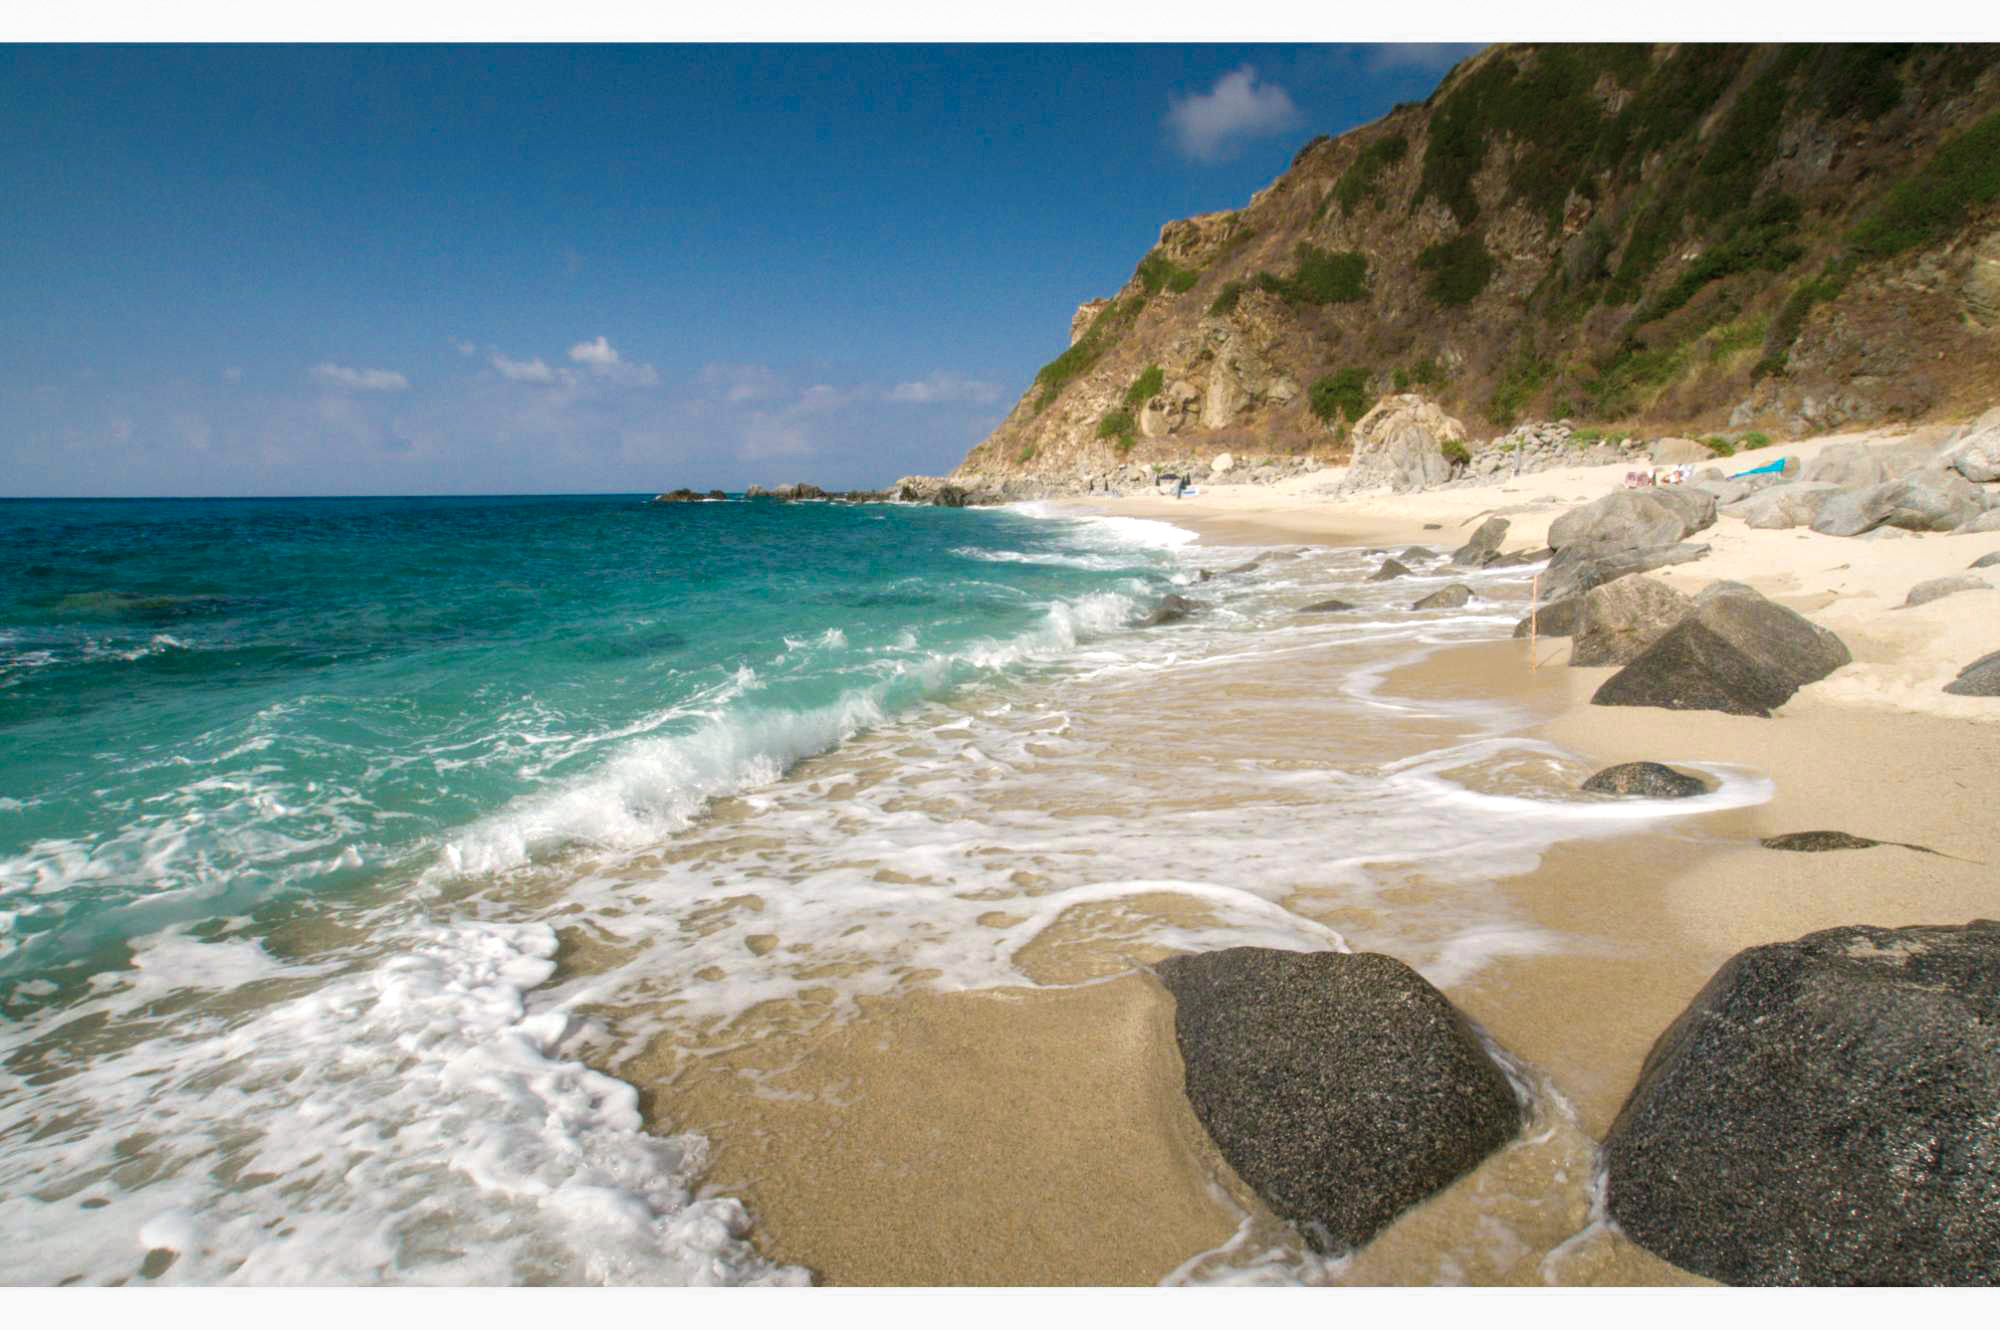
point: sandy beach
(1037, 1136)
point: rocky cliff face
(1683, 239)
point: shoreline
(958, 1098)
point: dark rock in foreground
(1324, 607)
(1979, 679)
(1648, 780)
(1171, 609)
(1343, 1089)
(1448, 598)
(1822, 1113)
(1734, 652)
(1390, 568)
(1554, 620)
(1484, 546)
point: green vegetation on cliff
(1359, 182)
(1343, 393)
(1322, 277)
(1459, 269)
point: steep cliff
(1685, 237)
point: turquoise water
(212, 707)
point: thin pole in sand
(1534, 620)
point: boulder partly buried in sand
(1342, 1089)
(1635, 518)
(1937, 588)
(1734, 652)
(1822, 1113)
(1621, 618)
(1979, 679)
(1400, 445)
(1645, 780)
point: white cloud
(603, 360)
(523, 371)
(741, 383)
(945, 386)
(360, 380)
(464, 348)
(232, 375)
(1210, 127)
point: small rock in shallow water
(1450, 598)
(1325, 607)
(1390, 568)
(1649, 780)
(1171, 609)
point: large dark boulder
(1646, 780)
(1484, 546)
(1577, 569)
(1343, 1089)
(1641, 517)
(1620, 619)
(1557, 619)
(1447, 598)
(1823, 1113)
(1734, 652)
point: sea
(351, 848)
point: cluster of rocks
(1857, 490)
(1819, 1114)
(689, 496)
(1546, 445)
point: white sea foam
(409, 1122)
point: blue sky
(330, 270)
